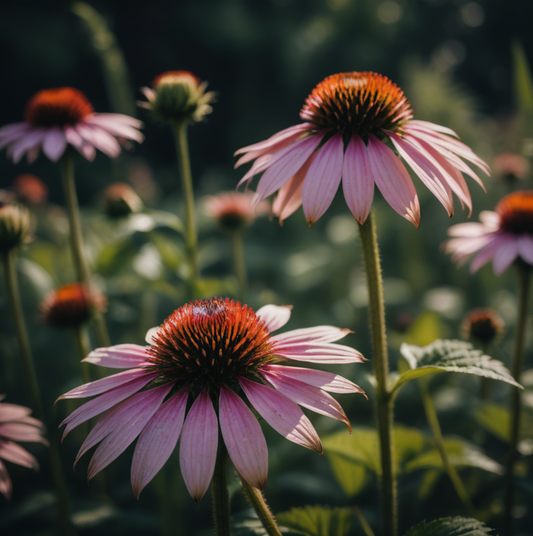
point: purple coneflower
(17, 425)
(211, 353)
(349, 119)
(57, 117)
(503, 235)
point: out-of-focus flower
(30, 190)
(234, 210)
(55, 118)
(15, 226)
(349, 118)
(483, 325)
(177, 96)
(501, 236)
(211, 351)
(71, 305)
(16, 424)
(511, 166)
(121, 200)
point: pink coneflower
(502, 236)
(234, 210)
(16, 425)
(349, 119)
(61, 116)
(211, 351)
(511, 166)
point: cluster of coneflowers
(215, 363)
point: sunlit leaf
(171, 253)
(145, 222)
(497, 420)
(37, 276)
(425, 329)
(523, 82)
(450, 526)
(317, 521)
(450, 356)
(115, 257)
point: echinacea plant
(214, 354)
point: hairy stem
(219, 492)
(257, 501)
(239, 263)
(517, 365)
(384, 403)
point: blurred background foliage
(461, 63)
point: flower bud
(15, 226)
(178, 96)
(483, 325)
(234, 210)
(121, 200)
(30, 190)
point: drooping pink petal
(129, 425)
(87, 150)
(357, 179)
(465, 247)
(524, 244)
(319, 352)
(21, 432)
(285, 167)
(32, 138)
(323, 179)
(54, 144)
(99, 138)
(105, 402)
(12, 412)
(101, 386)
(490, 219)
(198, 447)
(157, 441)
(308, 396)
(11, 452)
(6, 487)
(393, 181)
(10, 133)
(116, 128)
(282, 414)
(115, 118)
(244, 438)
(326, 381)
(315, 334)
(433, 127)
(484, 256)
(505, 255)
(468, 230)
(119, 356)
(425, 170)
(274, 316)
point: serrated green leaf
(460, 454)
(317, 521)
(450, 526)
(450, 356)
(523, 83)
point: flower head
(483, 325)
(234, 210)
(503, 235)
(71, 305)
(177, 96)
(511, 166)
(15, 226)
(120, 200)
(349, 120)
(30, 190)
(211, 351)
(17, 425)
(57, 117)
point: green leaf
(460, 453)
(147, 221)
(317, 521)
(450, 356)
(496, 420)
(523, 83)
(450, 526)
(426, 328)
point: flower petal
(484, 256)
(357, 179)
(505, 255)
(129, 423)
(54, 144)
(198, 448)
(6, 487)
(114, 127)
(315, 334)
(327, 381)
(21, 432)
(274, 316)
(393, 181)
(323, 179)
(33, 138)
(308, 396)
(319, 352)
(11, 452)
(99, 138)
(282, 414)
(244, 438)
(157, 441)
(525, 247)
(119, 356)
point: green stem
(257, 501)
(384, 403)
(76, 239)
(31, 377)
(433, 421)
(182, 148)
(365, 525)
(84, 348)
(518, 361)
(239, 262)
(219, 492)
